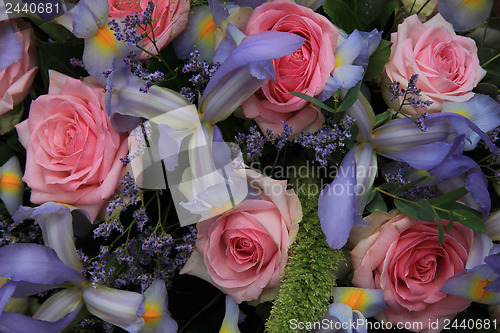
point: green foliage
(350, 98)
(342, 14)
(79, 317)
(382, 118)
(56, 56)
(55, 31)
(9, 119)
(433, 210)
(307, 282)
(360, 14)
(490, 61)
(313, 100)
(376, 201)
(487, 89)
(378, 60)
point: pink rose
(72, 151)
(16, 79)
(243, 252)
(401, 255)
(305, 71)
(447, 65)
(169, 19)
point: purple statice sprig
(185, 247)
(328, 139)
(409, 98)
(324, 141)
(281, 140)
(105, 229)
(420, 121)
(129, 194)
(20, 231)
(138, 69)
(400, 174)
(75, 62)
(255, 140)
(127, 29)
(409, 95)
(202, 72)
(494, 134)
(135, 263)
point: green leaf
(390, 8)
(450, 223)
(368, 11)
(450, 197)
(350, 98)
(439, 223)
(409, 208)
(371, 196)
(452, 206)
(56, 56)
(389, 186)
(9, 119)
(79, 317)
(55, 31)
(486, 88)
(493, 68)
(469, 219)
(5, 153)
(342, 15)
(455, 211)
(313, 101)
(378, 60)
(377, 203)
(409, 185)
(414, 210)
(426, 212)
(381, 118)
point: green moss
(308, 279)
(199, 3)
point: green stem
(275, 161)
(131, 224)
(167, 212)
(212, 302)
(425, 4)
(158, 203)
(485, 30)
(392, 195)
(492, 59)
(412, 5)
(153, 40)
(484, 159)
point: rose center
(425, 268)
(448, 61)
(68, 138)
(243, 250)
(245, 246)
(298, 55)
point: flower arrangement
(249, 166)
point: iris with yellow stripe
(156, 315)
(11, 185)
(482, 110)
(230, 322)
(470, 285)
(367, 301)
(465, 14)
